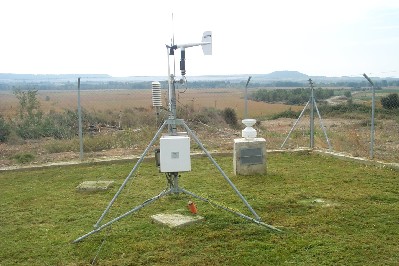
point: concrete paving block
(91, 186)
(174, 220)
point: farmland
(116, 100)
(131, 109)
(108, 105)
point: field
(109, 103)
(349, 133)
(332, 212)
(116, 100)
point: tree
(28, 103)
(30, 121)
(391, 101)
(348, 94)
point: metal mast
(372, 117)
(312, 104)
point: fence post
(80, 124)
(372, 131)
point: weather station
(173, 156)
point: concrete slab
(174, 220)
(319, 202)
(91, 186)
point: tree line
(196, 84)
(298, 96)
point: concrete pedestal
(249, 156)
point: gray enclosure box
(249, 156)
(175, 154)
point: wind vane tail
(207, 38)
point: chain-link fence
(121, 121)
(348, 127)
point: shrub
(4, 130)
(287, 114)
(57, 146)
(24, 157)
(207, 116)
(134, 117)
(348, 94)
(349, 109)
(99, 143)
(30, 128)
(230, 116)
(391, 101)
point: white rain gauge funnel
(249, 132)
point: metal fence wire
(368, 127)
(362, 122)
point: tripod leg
(135, 209)
(296, 122)
(130, 174)
(222, 172)
(230, 210)
(322, 127)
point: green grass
(332, 212)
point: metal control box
(175, 154)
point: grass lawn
(332, 212)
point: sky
(128, 38)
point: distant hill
(283, 78)
(46, 77)
(276, 75)
(287, 75)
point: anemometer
(206, 45)
(206, 48)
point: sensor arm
(368, 79)
(206, 48)
(187, 45)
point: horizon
(104, 75)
